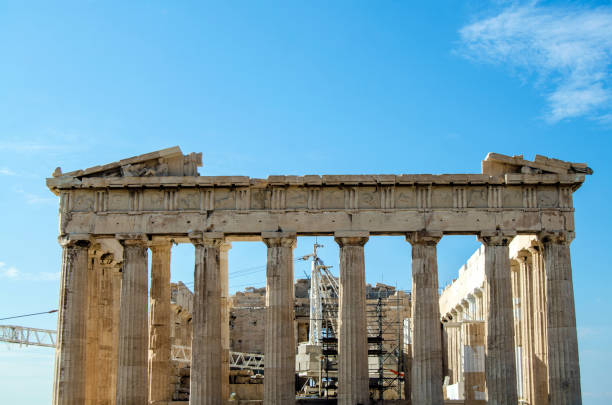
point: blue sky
(299, 88)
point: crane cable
(23, 316)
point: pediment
(496, 164)
(161, 163)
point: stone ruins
(504, 330)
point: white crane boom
(24, 336)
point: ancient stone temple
(114, 339)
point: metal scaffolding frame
(238, 360)
(25, 336)
(385, 334)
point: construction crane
(323, 295)
(24, 336)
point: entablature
(138, 193)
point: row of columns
(539, 272)
(141, 377)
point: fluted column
(109, 283)
(515, 278)
(526, 322)
(473, 362)
(92, 345)
(540, 346)
(500, 364)
(132, 375)
(225, 330)
(117, 282)
(353, 378)
(479, 304)
(279, 382)
(69, 374)
(459, 343)
(159, 322)
(427, 376)
(452, 345)
(563, 365)
(206, 345)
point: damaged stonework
(157, 198)
(496, 165)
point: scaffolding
(385, 341)
(385, 327)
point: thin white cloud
(49, 141)
(12, 273)
(35, 199)
(567, 49)
(9, 272)
(6, 172)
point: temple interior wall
(462, 307)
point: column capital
(557, 237)
(428, 238)
(515, 264)
(226, 246)
(279, 239)
(523, 256)
(107, 259)
(132, 239)
(160, 242)
(83, 240)
(207, 239)
(496, 238)
(351, 238)
(535, 249)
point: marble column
(92, 344)
(459, 344)
(353, 378)
(110, 289)
(132, 374)
(563, 365)
(452, 327)
(479, 304)
(407, 359)
(515, 278)
(473, 363)
(159, 322)
(500, 364)
(69, 373)
(225, 320)
(526, 324)
(540, 339)
(427, 376)
(279, 382)
(206, 344)
(117, 283)
(446, 367)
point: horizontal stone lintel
(325, 198)
(68, 182)
(377, 222)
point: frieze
(138, 193)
